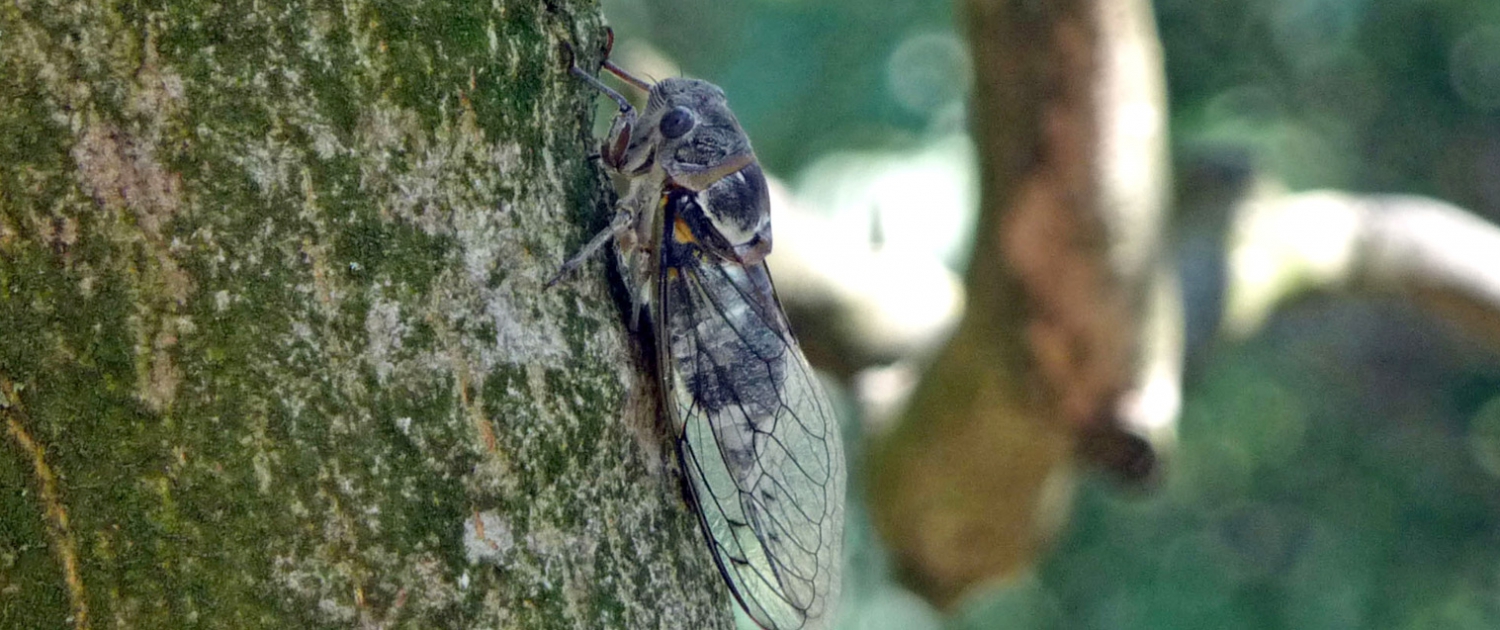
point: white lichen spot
(221, 300)
(487, 538)
(404, 424)
(335, 609)
(384, 332)
(294, 406)
(261, 462)
(521, 338)
(268, 165)
(325, 142)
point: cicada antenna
(609, 47)
(626, 76)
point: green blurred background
(1340, 468)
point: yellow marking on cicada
(671, 273)
(682, 233)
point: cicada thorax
(732, 216)
(688, 131)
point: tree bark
(276, 350)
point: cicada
(757, 438)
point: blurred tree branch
(1072, 340)
(1432, 253)
(1069, 300)
(276, 350)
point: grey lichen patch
(158, 92)
(119, 167)
(140, 197)
(159, 374)
(456, 183)
(124, 177)
(327, 591)
(385, 331)
(488, 538)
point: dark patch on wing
(740, 355)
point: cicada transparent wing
(759, 441)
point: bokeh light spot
(1306, 30)
(1474, 68)
(929, 71)
(1484, 437)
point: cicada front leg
(613, 152)
(615, 145)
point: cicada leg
(615, 145)
(619, 225)
(612, 152)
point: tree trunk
(276, 350)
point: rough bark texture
(276, 351)
(1064, 292)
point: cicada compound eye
(677, 122)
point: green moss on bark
(271, 287)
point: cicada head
(702, 148)
(689, 134)
(698, 139)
